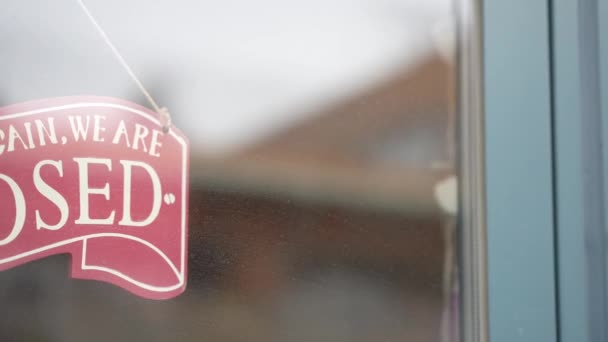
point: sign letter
(85, 190)
(127, 220)
(19, 210)
(51, 194)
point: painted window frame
(545, 93)
(519, 164)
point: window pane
(323, 187)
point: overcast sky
(230, 71)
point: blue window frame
(581, 128)
(519, 169)
(546, 127)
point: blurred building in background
(327, 229)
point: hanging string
(165, 116)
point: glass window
(323, 172)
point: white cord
(162, 111)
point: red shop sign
(96, 178)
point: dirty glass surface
(322, 166)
